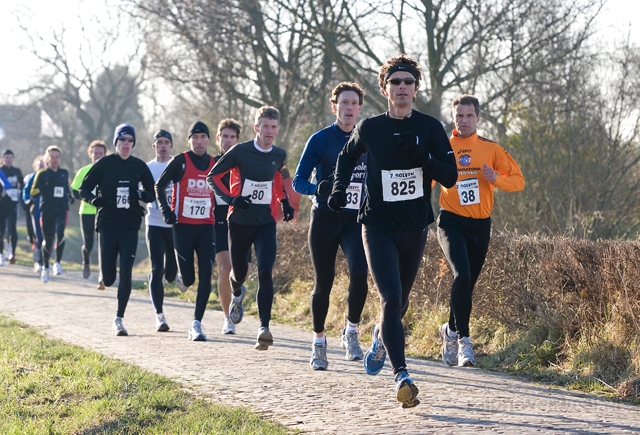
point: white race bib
(196, 208)
(354, 194)
(468, 191)
(122, 197)
(58, 191)
(14, 194)
(259, 192)
(402, 185)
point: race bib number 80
(402, 185)
(259, 192)
(468, 191)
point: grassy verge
(51, 387)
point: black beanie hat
(123, 129)
(199, 127)
(163, 133)
(7, 152)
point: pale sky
(19, 66)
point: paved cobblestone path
(279, 383)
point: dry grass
(552, 306)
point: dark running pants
(190, 239)
(88, 229)
(53, 226)
(263, 237)
(394, 259)
(111, 245)
(163, 262)
(329, 231)
(8, 220)
(465, 242)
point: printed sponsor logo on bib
(122, 197)
(196, 208)
(469, 191)
(259, 192)
(402, 185)
(354, 194)
(14, 194)
(58, 191)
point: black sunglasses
(407, 81)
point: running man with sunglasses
(406, 150)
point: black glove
(143, 195)
(71, 199)
(411, 143)
(287, 210)
(241, 202)
(323, 188)
(337, 200)
(76, 194)
(99, 202)
(169, 217)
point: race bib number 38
(402, 185)
(259, 192)
(196, 208)
(468, 191)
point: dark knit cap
(123, 129)
(199, 127)
(163, 133)
(7, 152)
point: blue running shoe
(406, 390)
(376, 354)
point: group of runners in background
(370, 184)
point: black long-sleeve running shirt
(396, 200)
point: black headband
(402, 67)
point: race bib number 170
(402, 185)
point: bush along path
(280, 385)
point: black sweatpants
(328, 231)
(53, 225)
(114, 244)
(394, 259)
(263, 237)
(465, 242)
(8, 220)
(190, 239)
(88, 229)
(163, 262)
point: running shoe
(57, 268)
(8, 248)
(195, 331)
(466, 357)
(236, 309)
(406, 390)
(161, 323)
(265, 339)
(44, 275)
(375, 356)
(36, 267)
(101, 285)
(12, 259)
(183, 288)
(228, 327)
(319, 357)
(449, 351)
(2, 263)
(86, 271)
(350, 343)
(118, 328)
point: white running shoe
(57, 268)
(350, 343)
(228, 327)
(236, 309)
(117, 328)
(183, 288)
(36, 267)
(466, 357)
(319, 357)
(265, 339)
(2, 263)
(195, 332)
(8, 249)
(449, 351)
(44, 275)
(161, 323)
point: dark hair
(97, 143)
(229, 123)
(466, 100)
(347, 86)
(268, 112)
(393, 63)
